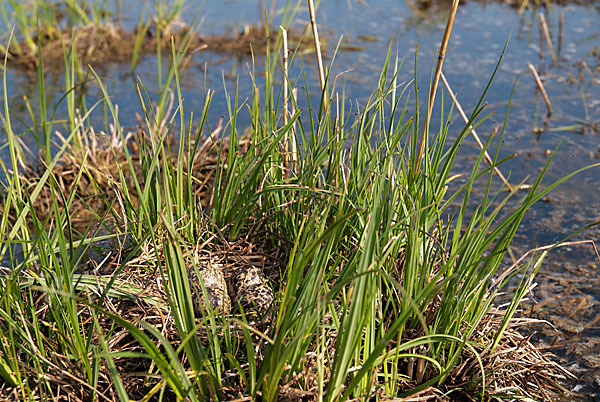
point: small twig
(415, 8)
(542, 46)
(515, 265)
(420, 369)
(313, 23)
(541, 87)
(410, 368)
(488, 159)
(596, 250)
(547, 36)
(285, 101)
(561, 23)
(436, 79)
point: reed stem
(313, 23)
(541, 87)
(285, 101)
(546, 33)
(436, 79)
(293, 136)
(561, 23)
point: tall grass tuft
(382, 284)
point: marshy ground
(106, 231)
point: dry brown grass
(99, 44)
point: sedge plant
(382, 284)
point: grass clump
(381, 289)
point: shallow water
(570, 277)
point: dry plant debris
(91, 173)
(139, 293)
(97, 44)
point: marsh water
(568, 291)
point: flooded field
(568, 290)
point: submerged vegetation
(350, 274)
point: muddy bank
(97, 44)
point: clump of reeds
(379, 294)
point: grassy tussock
(382, 290)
